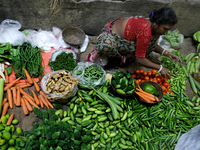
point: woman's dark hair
(162, 16)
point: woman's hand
(173, 57)
(165, 73)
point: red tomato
(149, 73)
(154, 71)
(164, 88)
(145, 73)
(171, 92)
(158, 79)
(166, 84)
(142, 76)
(138, 76)
(137, 82)
(141, 71)
(137, 71)
(133, 75)
(146, 78)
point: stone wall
(91, 15)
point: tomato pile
(141, 76)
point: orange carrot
(4, 101)
(43, 100)
(10, 119)
(28, 76)
(10, 99)
(35, 98)
(25, 109)
(146, 93)
(6, 76)
(41, 103)
(29, 107)
(30, 101)
(24, 93)
(9, 85)
(144, 97)
(5, 109)
(21, 83)
(14, 92)
(36, 85)
(18, 101)
(48, 102)
(25, 85)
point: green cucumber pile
(123, 82)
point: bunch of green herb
(64, 61)
(7, 52)
(29, 58)
(173, 37)
(54, 134)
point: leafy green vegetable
(63, 61)
(9, 69)
(173, 37)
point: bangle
(160, 68)
(163, 51)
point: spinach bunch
(53, 134)
(7, 52)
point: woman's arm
(172, 56)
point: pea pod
(92, 109)
(65, 119)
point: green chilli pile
(29, 58)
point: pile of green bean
(138, 127)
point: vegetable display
(63, 61)
(29, 58)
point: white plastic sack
(42, 39)
(162, 42)
(58, 33)
(189, 140)
(9, 32)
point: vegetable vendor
(136, 37)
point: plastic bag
(189, 140)
(9, 32)
(59, 97)
(42, 39)
(86, 82)
(58, 33)
(57, 52)
(163, 42)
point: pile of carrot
(150, 98)
(18, 97)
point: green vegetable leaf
(9, 70)
(55, 135)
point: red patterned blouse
(137, 29)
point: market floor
(26, 122)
